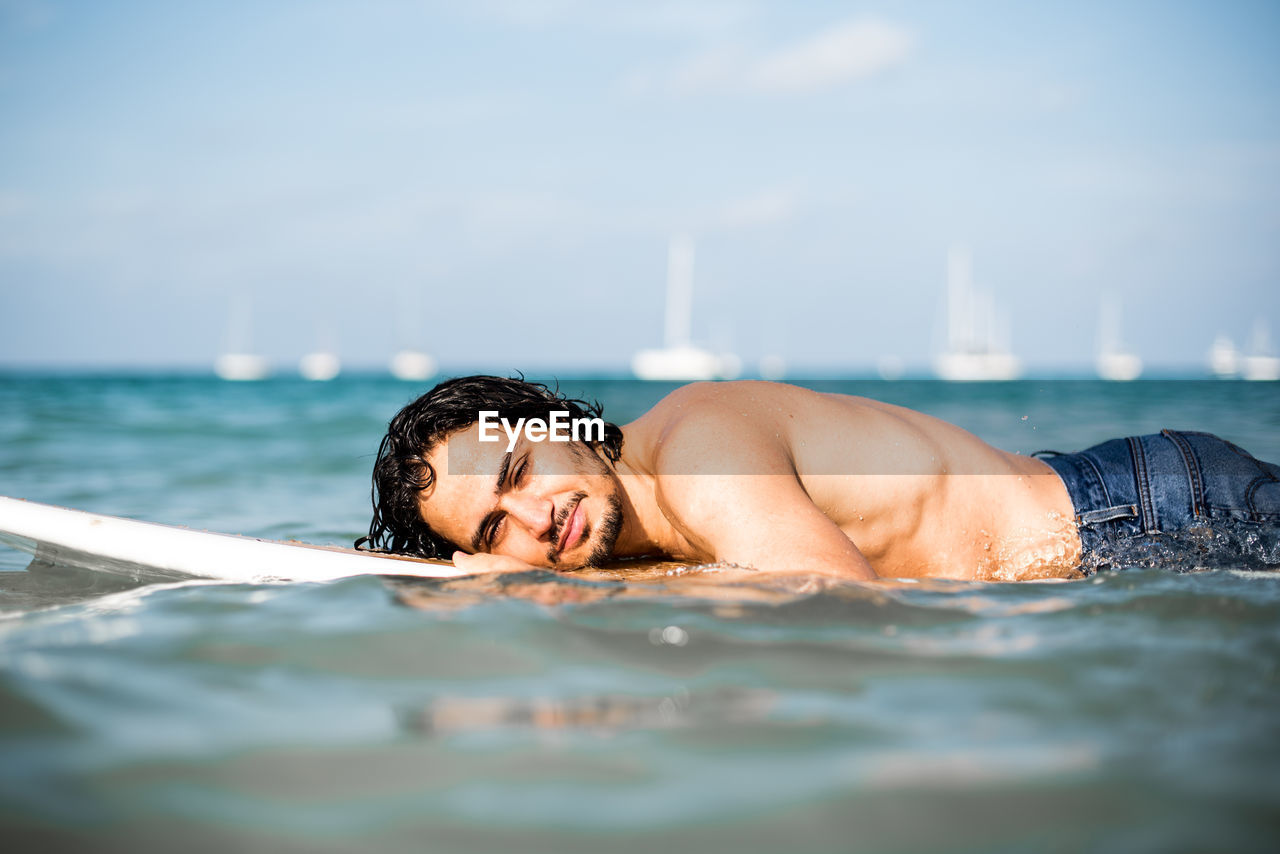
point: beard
(607, 531)
(607, 528)
(604, 532)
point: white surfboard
(68, 537)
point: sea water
(1136, 710)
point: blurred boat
(977, 340)
(409, 363)
(685, 363)
(1114, 362)
(237, 361)
(679, 359)
(977, 366)
(1260, 364)
(412, 365)
(1224, 358)
(319, 366)
(1119, 366)
(241, 367)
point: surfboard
(66, 537)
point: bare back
(917, 496)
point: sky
(497, 181)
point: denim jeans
(1180, 500)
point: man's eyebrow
(477, 539)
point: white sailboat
(977, 335)
(412, 365)
(1114, 362)
(409, 363)
(679, 359)
(319, 366)
(1261, 364)
(1224, 358)
(241, 367)
(237, 361)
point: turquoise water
(1132, 711)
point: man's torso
(918, 496)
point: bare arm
(763, 521)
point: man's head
(438, 487)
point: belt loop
(1143, 483)
(1193, 470)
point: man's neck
(646, 531)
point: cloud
(846, 52)
(841, 54)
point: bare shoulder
(704, 427)
(793, 415)
(725, 476)
(706, 405)
(774, 428)
(752, 393)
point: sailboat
(412, 365)
(1260, 364)
(237, 361)
(977, 336)
(319, 366)
(1224, 358)
(679, 359)
(1113, 362)
(409, 363)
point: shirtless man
(784, 480)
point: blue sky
(496, 181)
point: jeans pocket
(1263, 497)
(1233, 483)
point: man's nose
(534, 512)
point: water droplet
(675, 636)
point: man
(791, 481)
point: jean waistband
(1145, 492)
(1091, 497)
(1139, 478)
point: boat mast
(679, 292)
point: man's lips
(572, 528)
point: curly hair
(402, 471)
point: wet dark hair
(402, 471)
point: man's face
(553, 504)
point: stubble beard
(606, 530)
(609, 525)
